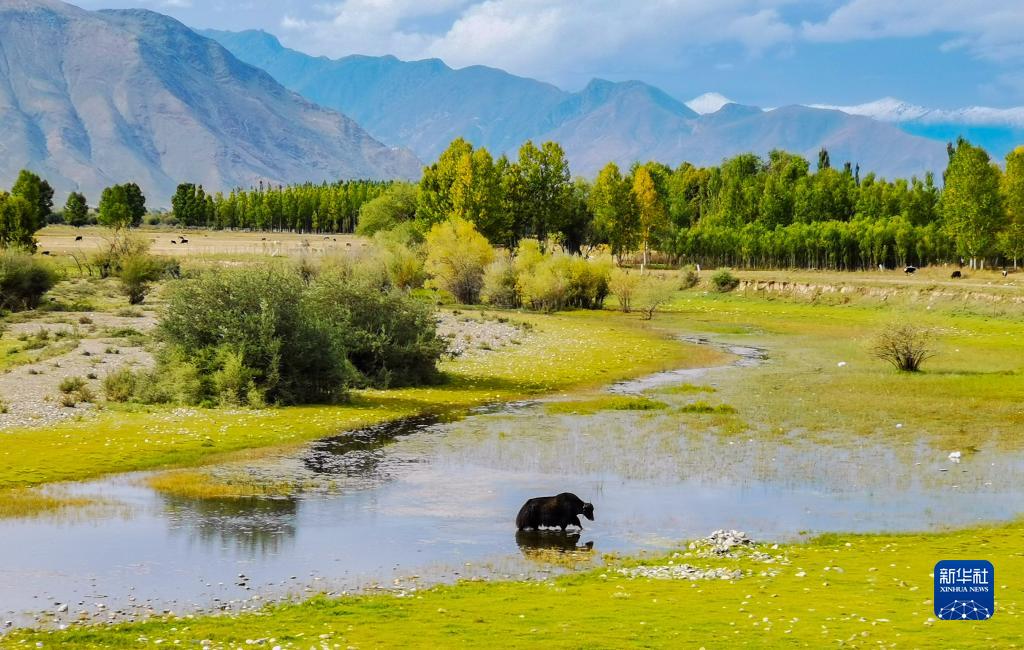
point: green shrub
(137, 271)
(688, 278)
(120, 385)
(545, 287)
(499, 287)
(457, 255)
(404, 264)
(23, 280)
(234, 383)
(272, 335)
(388, 336)
(724, 281)
(259, 312)
(71, 384)
(587, 282)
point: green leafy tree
(397, 205)
(37, 192)
(545, 189)
(971, 202)
(115, 211)
(136, 203)
(615, 211)
(18, 222)
(76, 210)
(1011, 240)
(436, 202)
(650, 210)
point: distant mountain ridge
(424, 105)
(89, 99)
(999, 130)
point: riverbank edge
(577, 350)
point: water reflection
(359, 454)
(252, 527)
(530, 541)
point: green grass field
(836, 591)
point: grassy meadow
(819, 380)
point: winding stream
(436, 500)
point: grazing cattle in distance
(78, 238)
(910, 269)
(559, 511)
(1005, 273)
(184, 241)
(956, 274)
(46, 252)
(174, 241)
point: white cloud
(547, 38)
(990, 29)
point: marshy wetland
(757, 411)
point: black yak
(910, 269)
(554, 512)
(956, 274)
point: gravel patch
(480, 334)
(31, 395)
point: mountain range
(425, 104)
(93, 98)
(89, 99)
(999, 130)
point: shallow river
(438, 500)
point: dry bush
(906, 346)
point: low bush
(136, 273)
(623, 285)
(23, 280)
(688, 278)
(905, 346)
(500, 286)
(283, 335)
(651, 293)
(724, 281)
(120, 385)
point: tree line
(308, 208)
(749, 211)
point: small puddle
(437, 500)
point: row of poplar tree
(748, 211)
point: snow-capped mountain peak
(890, 109)
(708, 103)
(887, 109)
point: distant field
(61, 240)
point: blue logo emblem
(965, 590)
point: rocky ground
(478, 333)
(91, 346)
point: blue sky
(938, 53)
